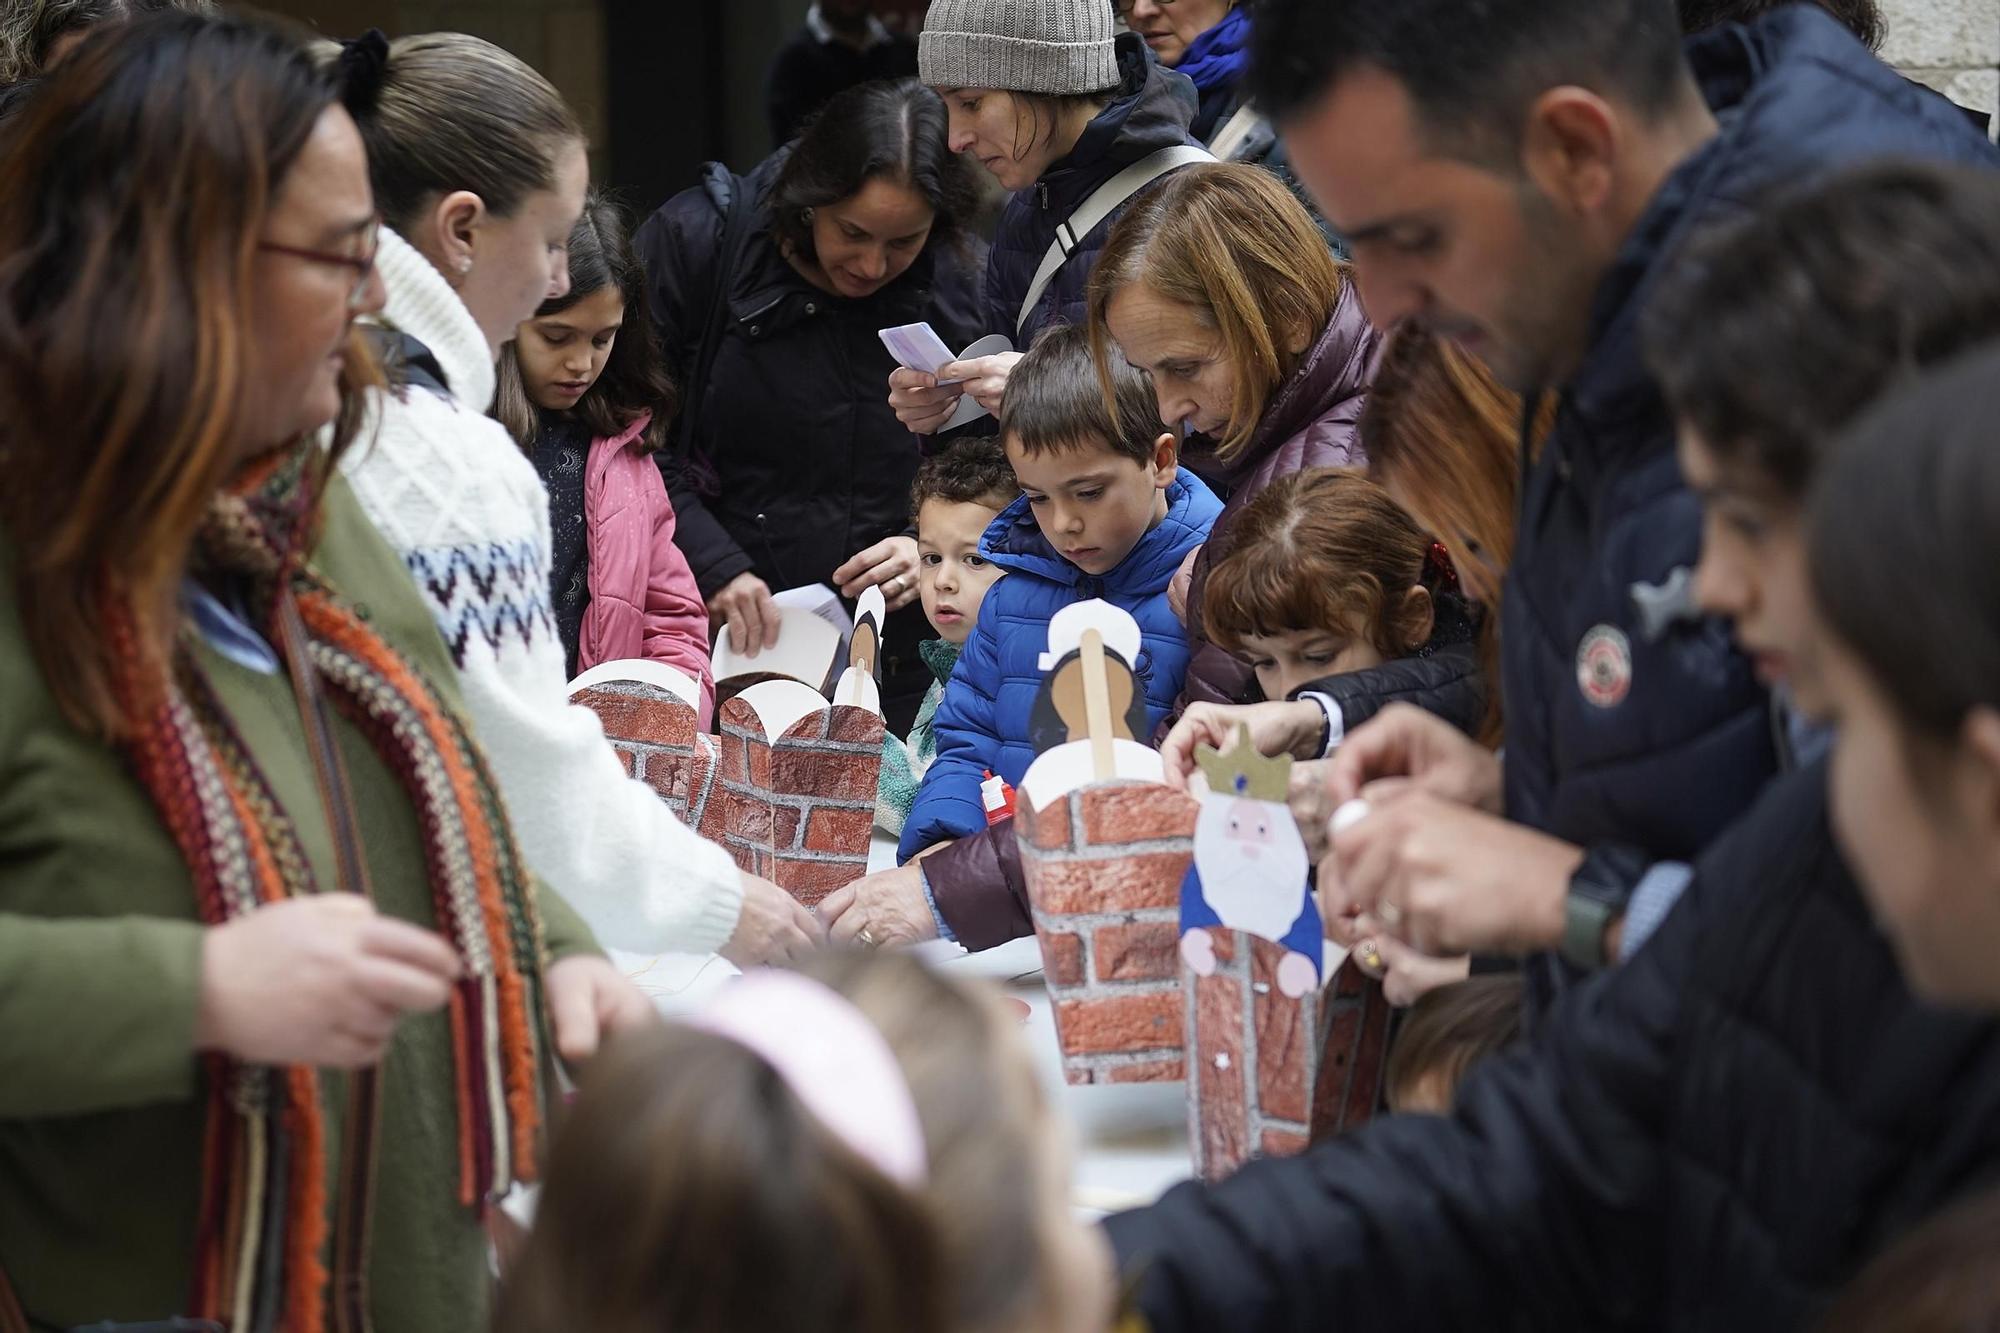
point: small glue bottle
(999, 799)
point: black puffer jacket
(1713, 1136)
(800, 461)
(1625, 722)
(1150, 110)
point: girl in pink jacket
(583, 388)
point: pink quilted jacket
(643, 598)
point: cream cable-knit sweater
(452, 492)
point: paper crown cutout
(1241, 771)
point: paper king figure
(1250, 867)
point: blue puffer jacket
(1153, 108)
(1671, 740)
(983, 724)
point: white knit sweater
(457, 498)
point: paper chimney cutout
(649, 712)
(1104, 848)
(1250, 870)
(788, 788)
(860, 685)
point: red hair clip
(1439, 559)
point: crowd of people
(1557, 425)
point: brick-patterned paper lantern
(656, 734)
(1104, 866)
(798, 810)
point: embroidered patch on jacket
(1604, 666)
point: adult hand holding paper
(926, 391)
(982, 378)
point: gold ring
(1370, 957)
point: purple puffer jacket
(1311, 422)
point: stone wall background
(1952, 45)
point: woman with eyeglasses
(272, 1028)
(479, 172)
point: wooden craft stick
(1097, 706)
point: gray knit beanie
(1058, 47)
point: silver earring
(806, 216)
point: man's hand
(889, 906)
(744, 604)
(319, 981)
(773, 930)
(1448, 880)
(590, 1000)
(1403, 741)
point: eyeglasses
(363, 264)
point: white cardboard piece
(807, 649)
(645, 671)
(1062, 769)
(780, 703)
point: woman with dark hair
(770, 291)
(583, 391)
(276, 977)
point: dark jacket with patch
(1714, 1136)
(1630, 720)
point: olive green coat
(100, 956)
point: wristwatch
(1598, 893)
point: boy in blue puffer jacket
(1105, 512)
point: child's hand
(1277, 728)
(921, 403)
(984, 377)
(887, 908)
(590, 1000)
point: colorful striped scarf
(270, 1253)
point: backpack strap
(1236, 132)
(1105, 200)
